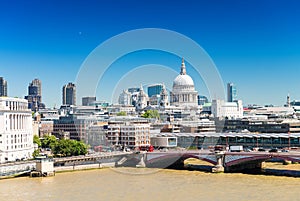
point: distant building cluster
(181, 116)
(183, 95)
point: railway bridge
(221, 160)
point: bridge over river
(221, 160)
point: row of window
(15, 105)
(17, 121)
(17, 146)
(130, 129)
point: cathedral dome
(183, 80)
(183, 93)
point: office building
(34, 96)
(73, 126)
(16, 134)
(154, 89)
(38, 84)
(231, 92)
(86, 101)
(202, 100)
(3, 87)
(69, 94)
(129, 133)
(222, 109)
(96, 136)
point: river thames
(150, 184)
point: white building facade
(222, 109)
(142, 99)
(16, 134)
(164, 98)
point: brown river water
(128, 184)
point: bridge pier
(219, 168)
(142, 163)
(254, 166)
(286, 162)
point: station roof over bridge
(217, 135)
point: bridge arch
(258, 159)
(168, 159)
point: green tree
(122, 113)
(49, 141)
(37, 140)
(70, 148)
(153, 114)
(35, 153)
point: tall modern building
(3, 87)
(35, 95)
(69, 94)
(154, 89)
(231, 92)
(38, 84)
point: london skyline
(255, 45)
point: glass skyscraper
(69, 94)
(231, 92)
(3, 87)
(154, 89)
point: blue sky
(254, 44)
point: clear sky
(254, 44)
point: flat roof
(248, 135)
